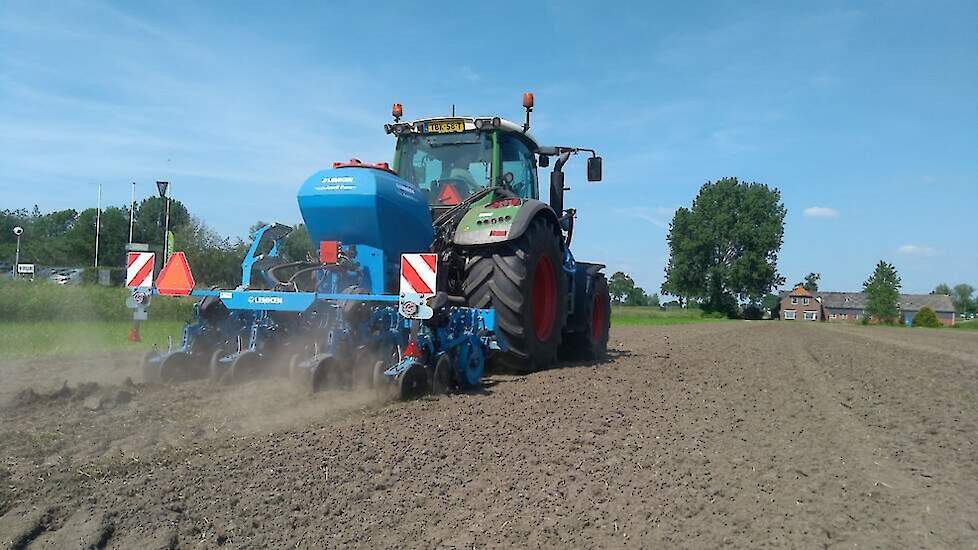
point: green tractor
(502, 246)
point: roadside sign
(175, 277)
(25, 269)
(139, 270)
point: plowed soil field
(743, 433)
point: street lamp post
(18, 231)
(161, 186)
(98, 220)
(132, 210)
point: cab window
(448, 168)
(518, 160)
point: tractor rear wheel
(524, 282)
(592, 342)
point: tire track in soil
(910, 342)
(928, 445)
(861, 449)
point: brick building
(800, 304)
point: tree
(942, 289)
(151, 217)
(297, 246)
(624, 291)
(653, 300)
(636, 297)
(213, 260)
(926, 318)
(619, 286)
(772, 304)
(883, 292)
(811, 282)
(724, 249)
(961, 296)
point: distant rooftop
(857, 300)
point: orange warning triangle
(175, 279)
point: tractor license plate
(452, 126)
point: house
(800, 304)
(851, 306)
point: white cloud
(821, 212)
(469, 74)
(659, 216)
(917, 250)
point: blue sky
(864, 115)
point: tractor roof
(505, 125)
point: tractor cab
(450, 159)
(453, 158)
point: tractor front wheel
(524, 282)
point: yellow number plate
(445, 126)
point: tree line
(66, 238)
(625, 292)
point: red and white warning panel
(419, 273)
(139, 270)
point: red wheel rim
(598, 313)
(544, 298)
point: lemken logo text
(336, 183)
(264, 300)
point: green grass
(27, 339)
(71, 338)
(967, 325)
(44, 301)
(653, 316)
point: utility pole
(98, 219)
(132, 210)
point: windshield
(448, 167)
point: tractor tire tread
(499, 278)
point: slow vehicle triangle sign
(175, 278)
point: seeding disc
(470, 374)
(215, 367)
(441, 381)
(174, 367)
(294, 370)
(363, 368)
(311, 378)
(413, 383)
(244, 367)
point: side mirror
(594, 169)
(544, 161)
